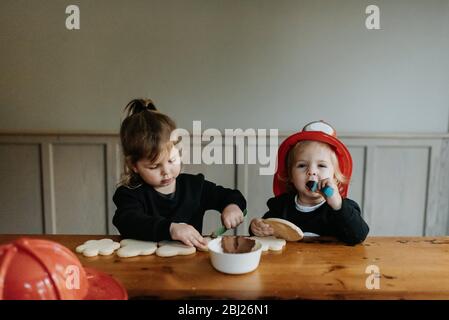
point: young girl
(314, 155)
(155, 202)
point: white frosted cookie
(207, 239)
(173, 248)
(132, 248)
(285, 229)
(92, 248)
(270, 243)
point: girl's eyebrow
(302, 160)
(149, 163)
(156, 163)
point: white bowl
(234, 263)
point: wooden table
(317, 268)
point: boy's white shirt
(308, 209)
(302, 208)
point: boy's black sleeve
(276, 207)
(133, 222)
(217, 197)
(348, 223)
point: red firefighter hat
(314, 131)
(37, 269)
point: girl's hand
(188, 235)
(335, 200)
(231, 216)
(261, 229)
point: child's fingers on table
(198, 239)
(188, 242)
(197, 236)
(198, 244)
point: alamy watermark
(72, 22)
(228, 148)
(372, 22)
(373, 280)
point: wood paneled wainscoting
(63, 183)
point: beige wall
(229, 63)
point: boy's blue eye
(301, 165)
(323, 166)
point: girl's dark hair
(144, 134)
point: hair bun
(139, 105)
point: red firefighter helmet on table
(37, 269)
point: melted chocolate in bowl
(237, 244)
(235, 255)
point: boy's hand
(261, 229)
(335, 200)
(231, 216)
(188, 235)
